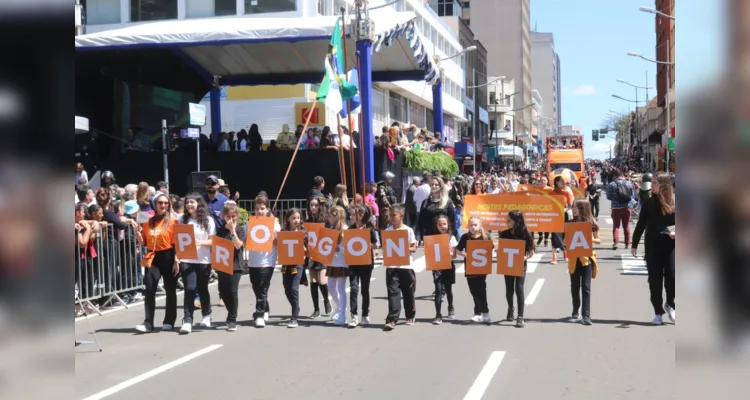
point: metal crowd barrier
(108, 267)
(282, 206)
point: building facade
(273, 106)
(504, 26)
(501, 105)
(665, 45)
(546, 73)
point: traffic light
(595, 134)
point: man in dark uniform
(386, 197)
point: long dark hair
(256, 141)
(201, 212)
(365, 213)
(323, 207)
(520, 231)
(288, 214)
(665, 196)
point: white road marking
(532, 262)
(485, 376)
(609, 221)
(633, 266)
(534, 291)
(152, 373)
(420, 264)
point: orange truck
(565, 152)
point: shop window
(269, 6)
(152, 10)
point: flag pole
(296, 149)
(361, 139)
(349, 107)
(342, 160)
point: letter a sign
(578, 239)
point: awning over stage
(255, 51)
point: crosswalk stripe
(532, 262)
(609, 221)
(633, 266)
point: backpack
(623, 193)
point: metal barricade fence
(108, 267)
(282, 206)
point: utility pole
(474, 121)
(669, 121)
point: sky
(592, 38)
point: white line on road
(152, 373)
(534, 291)
(609, 221)
(485, 376)
(532, 262)
(633, 266)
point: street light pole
(669, 122)
(473, 121)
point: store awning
(262, 51)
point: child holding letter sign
(317, 212)
(583, 269)
(359, 275)
(444, 279)
(229, 284)
(292, 274)
(262, 263)
(477, 283)
(400, 280)
(338, 270)
(517, 230)
(196, 273)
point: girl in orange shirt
(160, 262)
(557, 239)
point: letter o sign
(350, 246)
(263, 230)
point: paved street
(620, 357)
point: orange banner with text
(312, 229)
(222, 255)
(260, 234)
(357, 247)
(510, 256)
(184, 239)
(437, 252)
(579, 239)
(291, 248)
(479, 257)
(325, 249)
(395, 247)
(543, 213)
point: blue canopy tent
(205, 54)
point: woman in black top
(517, 230)
(359, 275)
(593, 193)
(437, 204)
(317, 210)
(229, 284)
(657, 215)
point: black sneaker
(328, 310)
(389, 326)
(538, 242)
(145, 327)
(614, 246)
(519, 322)
(231, 326)
(586, 321)
(438, 320)
(546, 243)
(451, 313)
(509, 317)
(574, 317)
(315, 314)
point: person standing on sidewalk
(620, 193)
(657, 216)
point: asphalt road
(620, 357)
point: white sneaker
(670, 311)
(167, 327)
(486, 318)
(259, 323)
(657, 320)
(366, 321)
(206, 322)
(476, 318)
(186, 328)
(354, 322)
(265, 317)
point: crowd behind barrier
(108, 271)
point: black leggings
(161, 267)
(514, 285)
(478, 290)
(444, 281)
(195, 277)
(229, 287)
(359, 276)
(594, 207)
(660, 265)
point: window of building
(468, 22)
(102, 12)
(209, 8)
(417, 114)
(397, 107)
(269, 6)
(152, 10)
(493, 98)
(467, 4)
(433, 35)
(378, 110)
(441, 44)
(492, 125)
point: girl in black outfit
(583, 269)
(291, 275)
(593, 193)
(317, 210)
(444, 279)
(657, 215)
(229, 284)
(477, 283)
(517, 230)
(437, 204)
(359, 275)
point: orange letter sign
(578, 239)
(222, 255)
(510, 255)
(184, 238)
(291, 247)
(326, 246)
(437, 252)
(479, 257)
(396, 248)
(260, 232)
(357, 248)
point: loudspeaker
(197, 180)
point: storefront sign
(303, 110)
